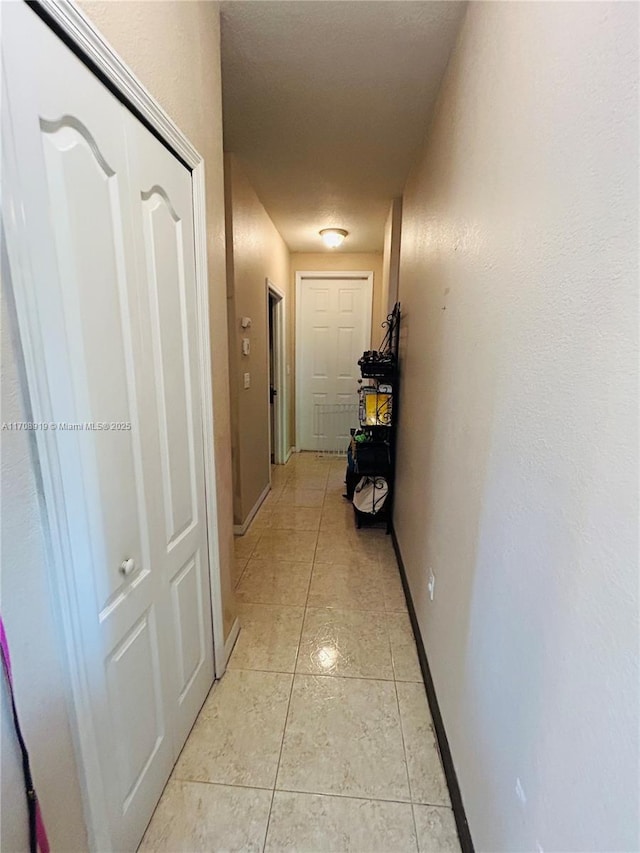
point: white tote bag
(370, 494)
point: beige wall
(174, 49)
(257, 252)
(517, 477)
(391, 256)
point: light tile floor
(318, 737)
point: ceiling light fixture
(333, 237)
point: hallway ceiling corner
(326, 104)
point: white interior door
(104, 234)
(333, 329)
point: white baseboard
(288, 456)
(229, 644)
(241, 529)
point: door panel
(321, 352)
(333, 330)
(164, 251)
(161, 199)
(188, 607)
(135, 692)
(86, 189)
(344, 356)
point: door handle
(127, 566)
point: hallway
(319, 736)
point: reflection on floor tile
(345, 642)
(237, 737)
(308, 822)
(436, 829)
(269, 637)
(193, 816)
(426, 775)
(343, 737)
(340, 756)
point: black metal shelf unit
(373, 445)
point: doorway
(333, 329)
(277, 361)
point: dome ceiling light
(333, 237)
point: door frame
(280, 370)
(301, 275)
(80, 34)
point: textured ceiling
(326, 104)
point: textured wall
(174, 49)
(391, 256)
(257, 252)
(518, 451)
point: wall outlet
(520, 792)
(247, 380)
(432, 584)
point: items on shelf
(370, 495)
(376, 405)
(371, 455)
(377, 365)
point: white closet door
(118, 344)
(333, 330)
(161, 199)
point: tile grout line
(355, 797)
(286, 720)
(406, 762)
(306, 601)
(185, 779)
(284, 731)
(321, 674)
(188, 781)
